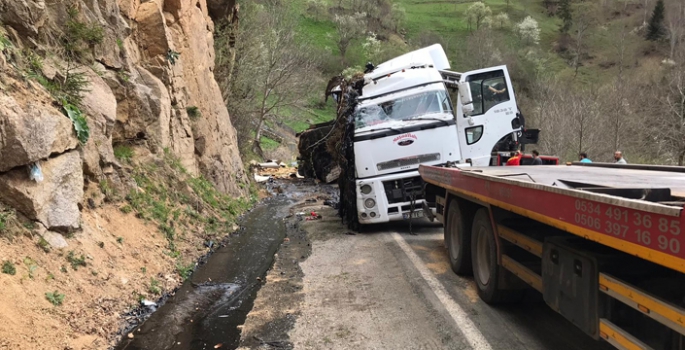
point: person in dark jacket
(536, 158)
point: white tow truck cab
(405, 118)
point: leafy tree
(566, 16)
(655, 30)
(477, 13)
(528, 31)
(501, 21)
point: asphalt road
(387, 289)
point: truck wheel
(458, 240)
(486, 272)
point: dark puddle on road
(208, 308)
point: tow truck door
(493, 116)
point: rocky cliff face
(150, 84)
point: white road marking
(473, 336)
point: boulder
(54, 201)
(100, 106)
(26, 16)
(32, 132)
(54, 239)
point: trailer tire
(486, 272)
(458, 240)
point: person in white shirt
(618, 156)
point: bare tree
(646, 12)
(272, 70)
(672, 126)
(584, 19)
(481, 49)
(286, 67)
(675, 18)
(348, 29)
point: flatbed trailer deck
(604, 244)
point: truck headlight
(369, 203)
(366, 189)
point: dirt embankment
(116, 260)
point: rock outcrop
(154, 64)
(54, 201)
(31, 131)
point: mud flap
(427, 211)
(570, 280)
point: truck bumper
(375, 207)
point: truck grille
(402, 162)
(399, 191)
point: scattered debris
(146, 302)
(272, 170)
(259, 178)
(35, 172)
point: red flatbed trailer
(603, 243)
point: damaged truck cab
(405, 117)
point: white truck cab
(405, 117)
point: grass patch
(123, 153)
(176, 202)
(44, 245)
(193, 112)
(155, 287)
(268, 144)
(107, 189)
(55, 298)
(185, 270)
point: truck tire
(458, 240)
(486, 271)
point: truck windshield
(404, 108)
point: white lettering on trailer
(473, 336)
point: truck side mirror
(465, 97)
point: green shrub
(76, 261)
(78, 119)
(55, 298)
(8, 268)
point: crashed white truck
(399, 115)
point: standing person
(536, 158)
(583, 158)
(618, 156)
(515, 159)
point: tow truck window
(404, 108)
(487, 90)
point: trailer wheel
(458, 240)
(486, 272)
